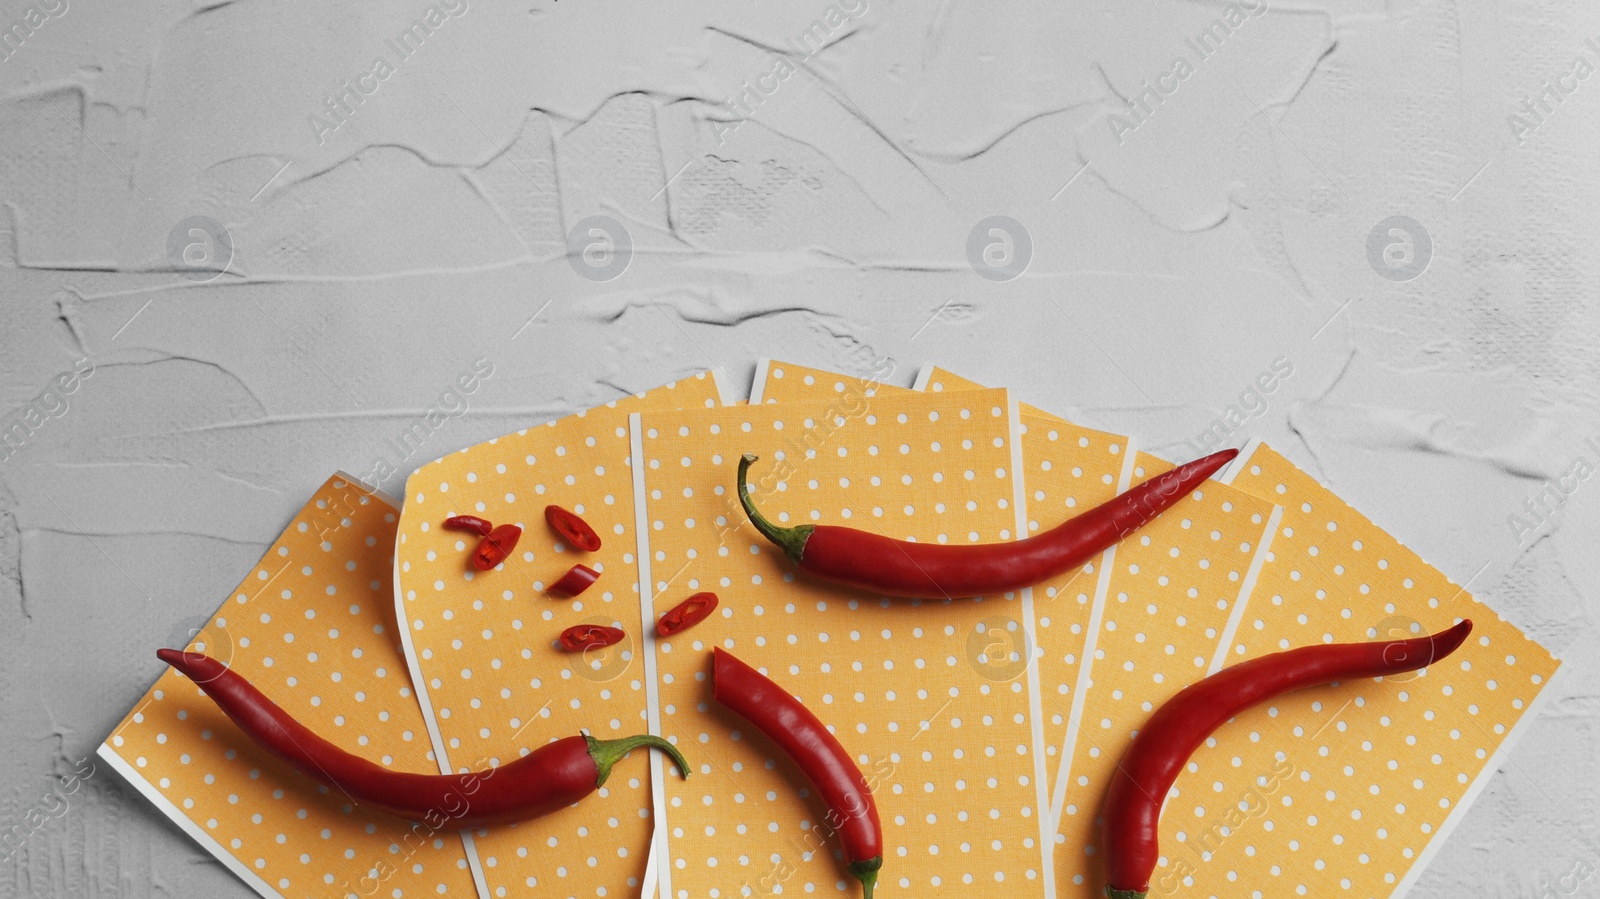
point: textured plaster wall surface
(795, 180)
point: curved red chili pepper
(572, 529)
(1132, 811)
(577, 579)
(686, 614)
(590, 636)
(472, 523)
(817, 752)
(495, 546)
(891, 567)
(551, 777)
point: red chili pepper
(479, 526)
(891, 567)
(572, 529)
(590, 636)
(1132, 812)
(577, 579)
(686, 614)
(817, 752)
(550, 778)
(495, 546)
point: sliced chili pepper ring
(572, 529)
(687, 614)
(590, 636)
(495, 546)
(471, 523)
(577, 579)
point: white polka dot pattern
(1340, 790)
(485, 642)
(907, 688)
(1067, 469)
(310, 628)
(1174, 585)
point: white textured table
(245, 246)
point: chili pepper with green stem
(806, 740)
(892, 567)
(549, 778)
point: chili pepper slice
(548, 779)
(891, 567)
(479, 526)
(686, 614)
(590, 636)
(1131, 815)
(495, 546)
(577, 579)
(572, 529)
(806, 740)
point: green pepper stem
(1115, 893)
(791, 540)
(606, 753)
(867, 873)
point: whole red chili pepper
(572, 529)
(774, 712)
(687, 614)
(577, 579)
(551, 777)
(891, 567)
(1131, 815)
(590, 636)
(495, 546)
(479, 526)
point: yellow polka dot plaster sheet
(312, 626)
(953, 752)
(1176, 587)
(1185, 578)
(1065, 469)
(491, 674)
(1341, 790)
(1345, 790)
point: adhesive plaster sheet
(1176, 588)
(312, 626)
(1065, 469)
(490, 673)
(1156, 613)
(1240, 825)
(952, 753)
(1345, 790)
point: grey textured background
(1174, 256)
